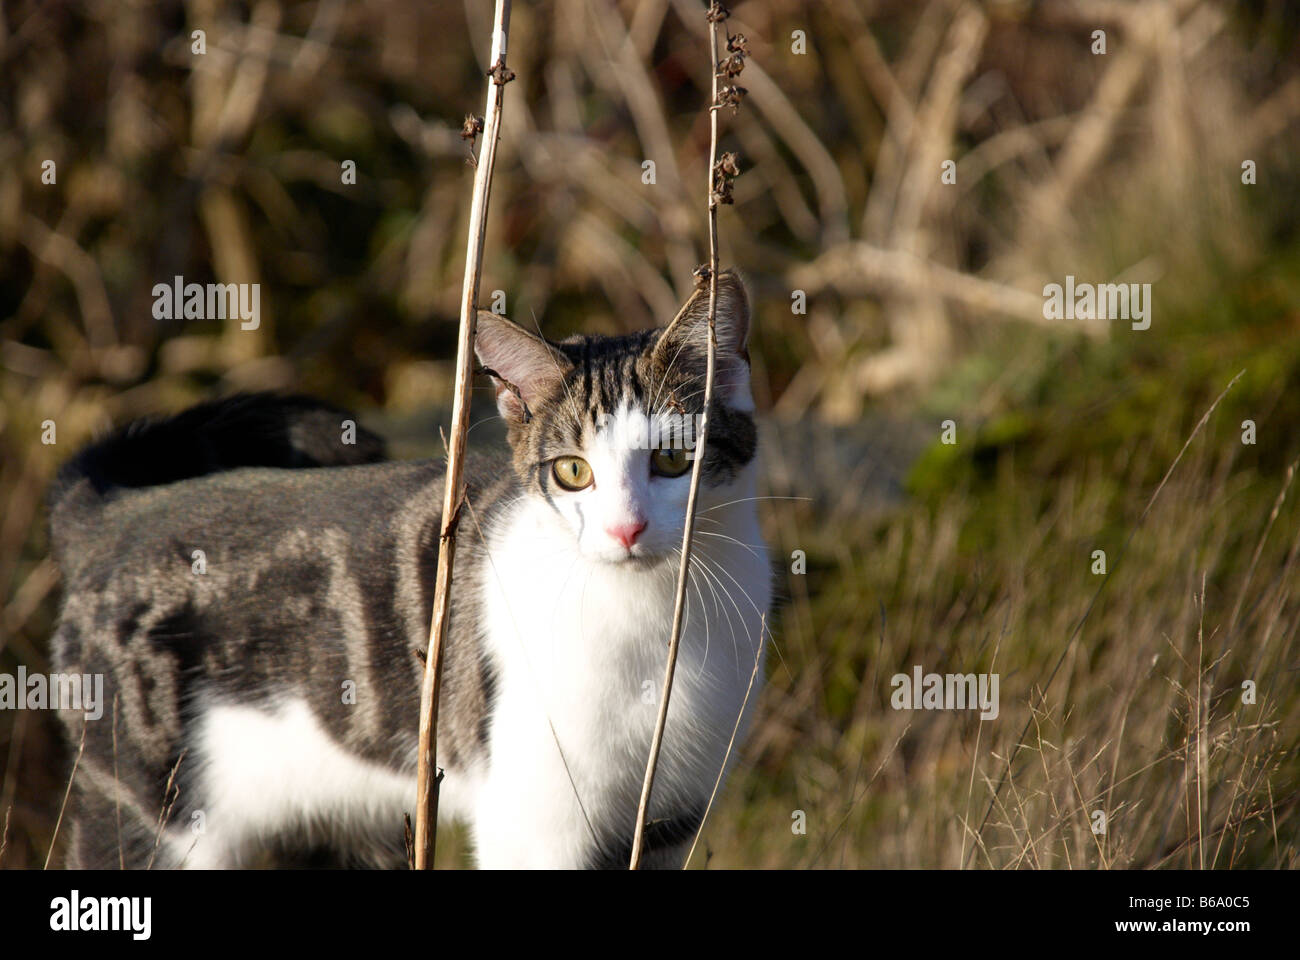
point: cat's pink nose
(626, 533)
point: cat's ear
(524, 367)
(685, 341)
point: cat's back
(250, 547)
(250, 510)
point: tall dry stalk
(426, 806)
(719, 192)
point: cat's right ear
(524, 367)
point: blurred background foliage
(924, 305)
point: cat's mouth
(636, 558)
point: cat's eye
(572, 473)
(669, 462)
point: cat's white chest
(582, 647)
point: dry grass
(1145, 720)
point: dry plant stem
(117, 799)
(170, 797)
(674, 641)
(426, 805)
(81, 748)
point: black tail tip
(243, 430)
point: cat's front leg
(517, 832)
(527, 814)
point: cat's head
(603, 429)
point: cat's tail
(244, 430)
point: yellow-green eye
(669, 462)
(572, 473)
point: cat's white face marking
(582, 640)
(627, 513)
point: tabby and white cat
(273, 679)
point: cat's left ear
(685, 342)
(525, 369)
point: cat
(257, 592)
